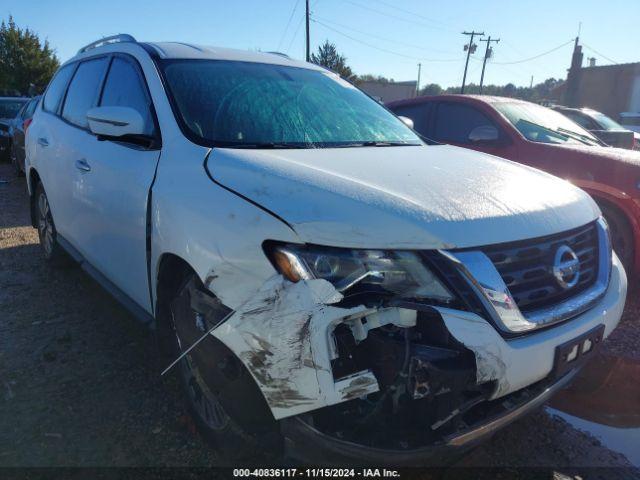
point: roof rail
(280, 54)
(122, 37)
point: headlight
(400, 273)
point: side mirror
(484, 133)
(115, 122)
(407, 121)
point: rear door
(47, 147)
(111, 187)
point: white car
(362, 296)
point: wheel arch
(172, 273)
(624, 205)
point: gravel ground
(80, 385)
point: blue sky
(383, 37)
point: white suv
(361, 294)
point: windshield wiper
(266, 145)
(378, 144)
(580, 137)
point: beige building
(390, 91)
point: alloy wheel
(45, 224)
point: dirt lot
(80, 385)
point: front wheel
(196, 375)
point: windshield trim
(204, 142)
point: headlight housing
(397, 273)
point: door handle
(83, 166)
(43, 141)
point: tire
(14, 162)
(621, 235)
(231, 441)
(47, 233)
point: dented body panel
(408, 197)
(518, 362)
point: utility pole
(418, 84)
(487, 54)
(531, 84)
(308, 47)
(471, 48)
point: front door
(111, 188)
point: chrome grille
(527, 267)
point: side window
(417, 113)
(22, 112)
(83, 91)
(56, 88)
(28, 113)
(125, 88)
(582, 120)
(454, 122)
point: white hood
(403, 197)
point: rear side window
(454, 122)
(125, 88)
(83, 91)
(56, 88)
(417, 113)
(28, 113)
(582, 120)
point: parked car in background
(18, 130)
(347, 280)
(601, 126)
(9, 108)
(543, 138)
(631, 121)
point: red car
(542, 138)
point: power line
(388, 15)
(414, 14)
(536, 56)
(295, 34)
(398, 42)
(598, 53)
(286, 29)
(315, 20)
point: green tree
(367, 77)
(24, 59)
(328, 57)
(431, 89)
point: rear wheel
(47, 229)
(621, 235)
(232, 442)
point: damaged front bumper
(305, 443)
(405, 381)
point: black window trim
(74, 66)
(157, 144)
(66, 92)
